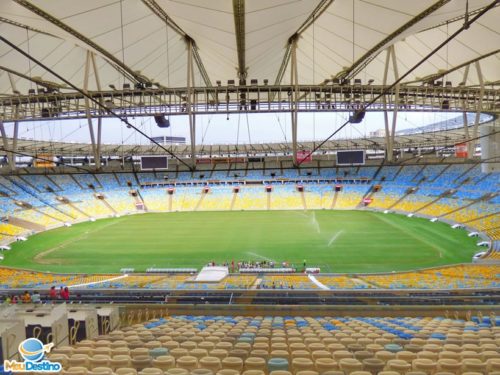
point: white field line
(334, 237)
(317, 283)
(259, 256)
(411, 234)
(99, 282)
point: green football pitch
(336, 241)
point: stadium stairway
(408, 192)
(140, 200)
(233, 200)
(77, 209)
(200, 201)
(434, 201)
(484, 198)
(482, 217)
(400, 169)
(53, 182)
(109, 206)
(24, 185)
(25, 224)
(25, 182)
(440, 173)
(303, 199)
(170, 202)
(464, 174)
(334, 200)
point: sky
(220, 129)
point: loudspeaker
(357, 116)
(253, 104)
(162, 122)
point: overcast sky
(217, 129)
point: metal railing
(251, 99)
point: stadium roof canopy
(147, 40)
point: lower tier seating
(275, 345)
(451, 277)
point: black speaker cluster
(162, 121)
(357, 116)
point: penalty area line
(259, 256)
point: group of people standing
(62, 294)
(35, 297)
(26, 297)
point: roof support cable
(363, 108)
(89, 97)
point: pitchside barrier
(171, 270)
(267, 270)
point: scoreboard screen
(351, 157)
(149, 163)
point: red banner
(304, 156)
(461, 150)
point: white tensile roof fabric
(339, 36)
